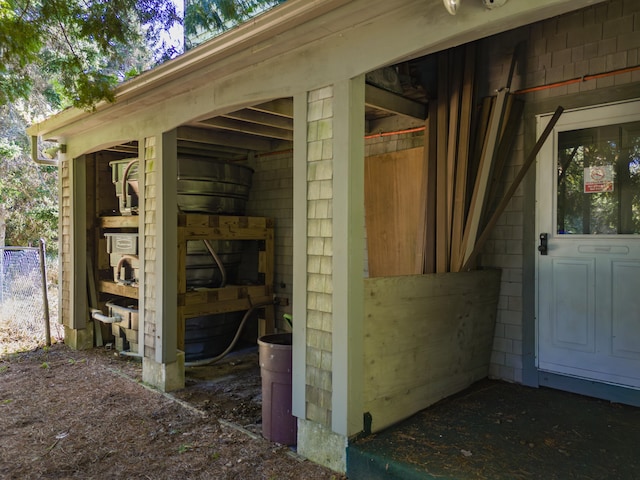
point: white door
(588, 279)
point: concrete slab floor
(496, 430)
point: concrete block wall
(379, 145)
(319, 256)
(598, 39)
(272, 196)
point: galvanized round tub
(204, 185)
(213, 186)
(208, 336)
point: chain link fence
(28, 298)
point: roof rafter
(393, 103)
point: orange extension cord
(523, 91)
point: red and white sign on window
(598, 179)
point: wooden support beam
(442, 238)
(479, 198)
(281, 106)
(455, 91)
(480, 133)
(262, 118)
(471, 260)
(430, 188)
(515, 107)
(226, 139)
(462, 166)
(393, 103)
(186, 147)
(128, 149)
(241, 126)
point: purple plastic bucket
(278, 424)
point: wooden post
(442, 239)
(462, 167)
(430, 187)
(479, 198)
(454, 81)
(45, 298)
(515, 108)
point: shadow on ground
(496, 430)
(230, 389)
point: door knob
(543, 247)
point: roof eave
(247, 35)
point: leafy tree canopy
(58, 53)
(84, 47)
(28, 192)
(204, 19)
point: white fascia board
(314, 28)
(247, 36)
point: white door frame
(598, 115)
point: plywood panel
(425, 337)
(393, 189)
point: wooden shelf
(120, 221)
(117, 222)
(232, 298)
(221, 300)
(218, 227)
(113, 288)
(208, 301)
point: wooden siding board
(426, 337)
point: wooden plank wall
(426, 337)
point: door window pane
(598, 181)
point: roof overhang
(252, 35)
(300, 25)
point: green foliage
(607, 212)
(8, 148)
(81, 46)
(206, 18)
(73, 361)
(184, 448)
(85, 47)
(55, 54)
(60, 53)
(28, 192)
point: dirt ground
(66, 414)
